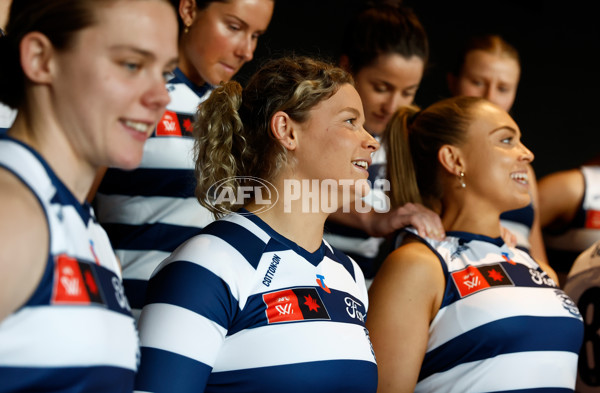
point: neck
(40, 130)
(293, 219)
(467, 215)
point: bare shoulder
(414, 271)
(24, 242)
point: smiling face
(390, 82)
(496, 162)
(333, 144)
(488, 75)
(221, 38)
(109, 87)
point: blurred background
(556, 108)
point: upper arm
(24, 243)
(404, 298)
(560, 195)
(182, 327)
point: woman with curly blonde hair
(259, 301)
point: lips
(364, 164)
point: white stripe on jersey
(179, 338)
(276, 345)
(503, 373)
(168, 153)
(140, 264)
(64, 336)
(172, 211)
(502, 302)
(249, 225)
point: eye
(508, 140)
(131, 66)
(168, 75)
(235, 27)
(380, 88)
(351, 121)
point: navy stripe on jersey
(185, 374)
(179, 77)
(156, 236)
(176, 183)
(321, 376)
(326, 309)
(244, 241)
(343, 259)
(523, 215)
(177, 283)
(464, 348)
(135, 290)
(66, 379)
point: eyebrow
(243, 22)
(142, 52)
(353, 110)
(509, 128)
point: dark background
(556, 106)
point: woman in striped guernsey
(87, 78)
(469, 313)
(258, 302)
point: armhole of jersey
(37, 296)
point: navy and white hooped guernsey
(149, 211)
(503, 324)
(239, 308)
(76, 332)
(563, 248)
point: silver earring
(461, 179)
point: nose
(245, 48)
(369, 142)
(157, 97)
(527, 155)
(392, 103)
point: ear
(187, 11)
(344, 63)
(283, 130)
(451, 159)
(37, 57)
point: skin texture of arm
(24, 234)
(559, 197)
(404, 299)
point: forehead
(256, 13)
(479, 61)
(488, 117)
(394, 69)
(346, 98)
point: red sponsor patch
(295, 304)
(469, 280)
(75, 282)
(592, 219)
(473, 279)
(69, 284)
(168, 125)
(282, 306)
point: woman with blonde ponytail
(259, 302)
(467, 313)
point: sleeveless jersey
(76, 332)
(583, 286)
(7, 117)
(240, 308)
(519, 222)
(151, 210)
(367, 251)
(563, 248)
(503, 324)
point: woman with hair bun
(258, 302)
(467, 313)
(87, 78)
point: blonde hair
(233, 135)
